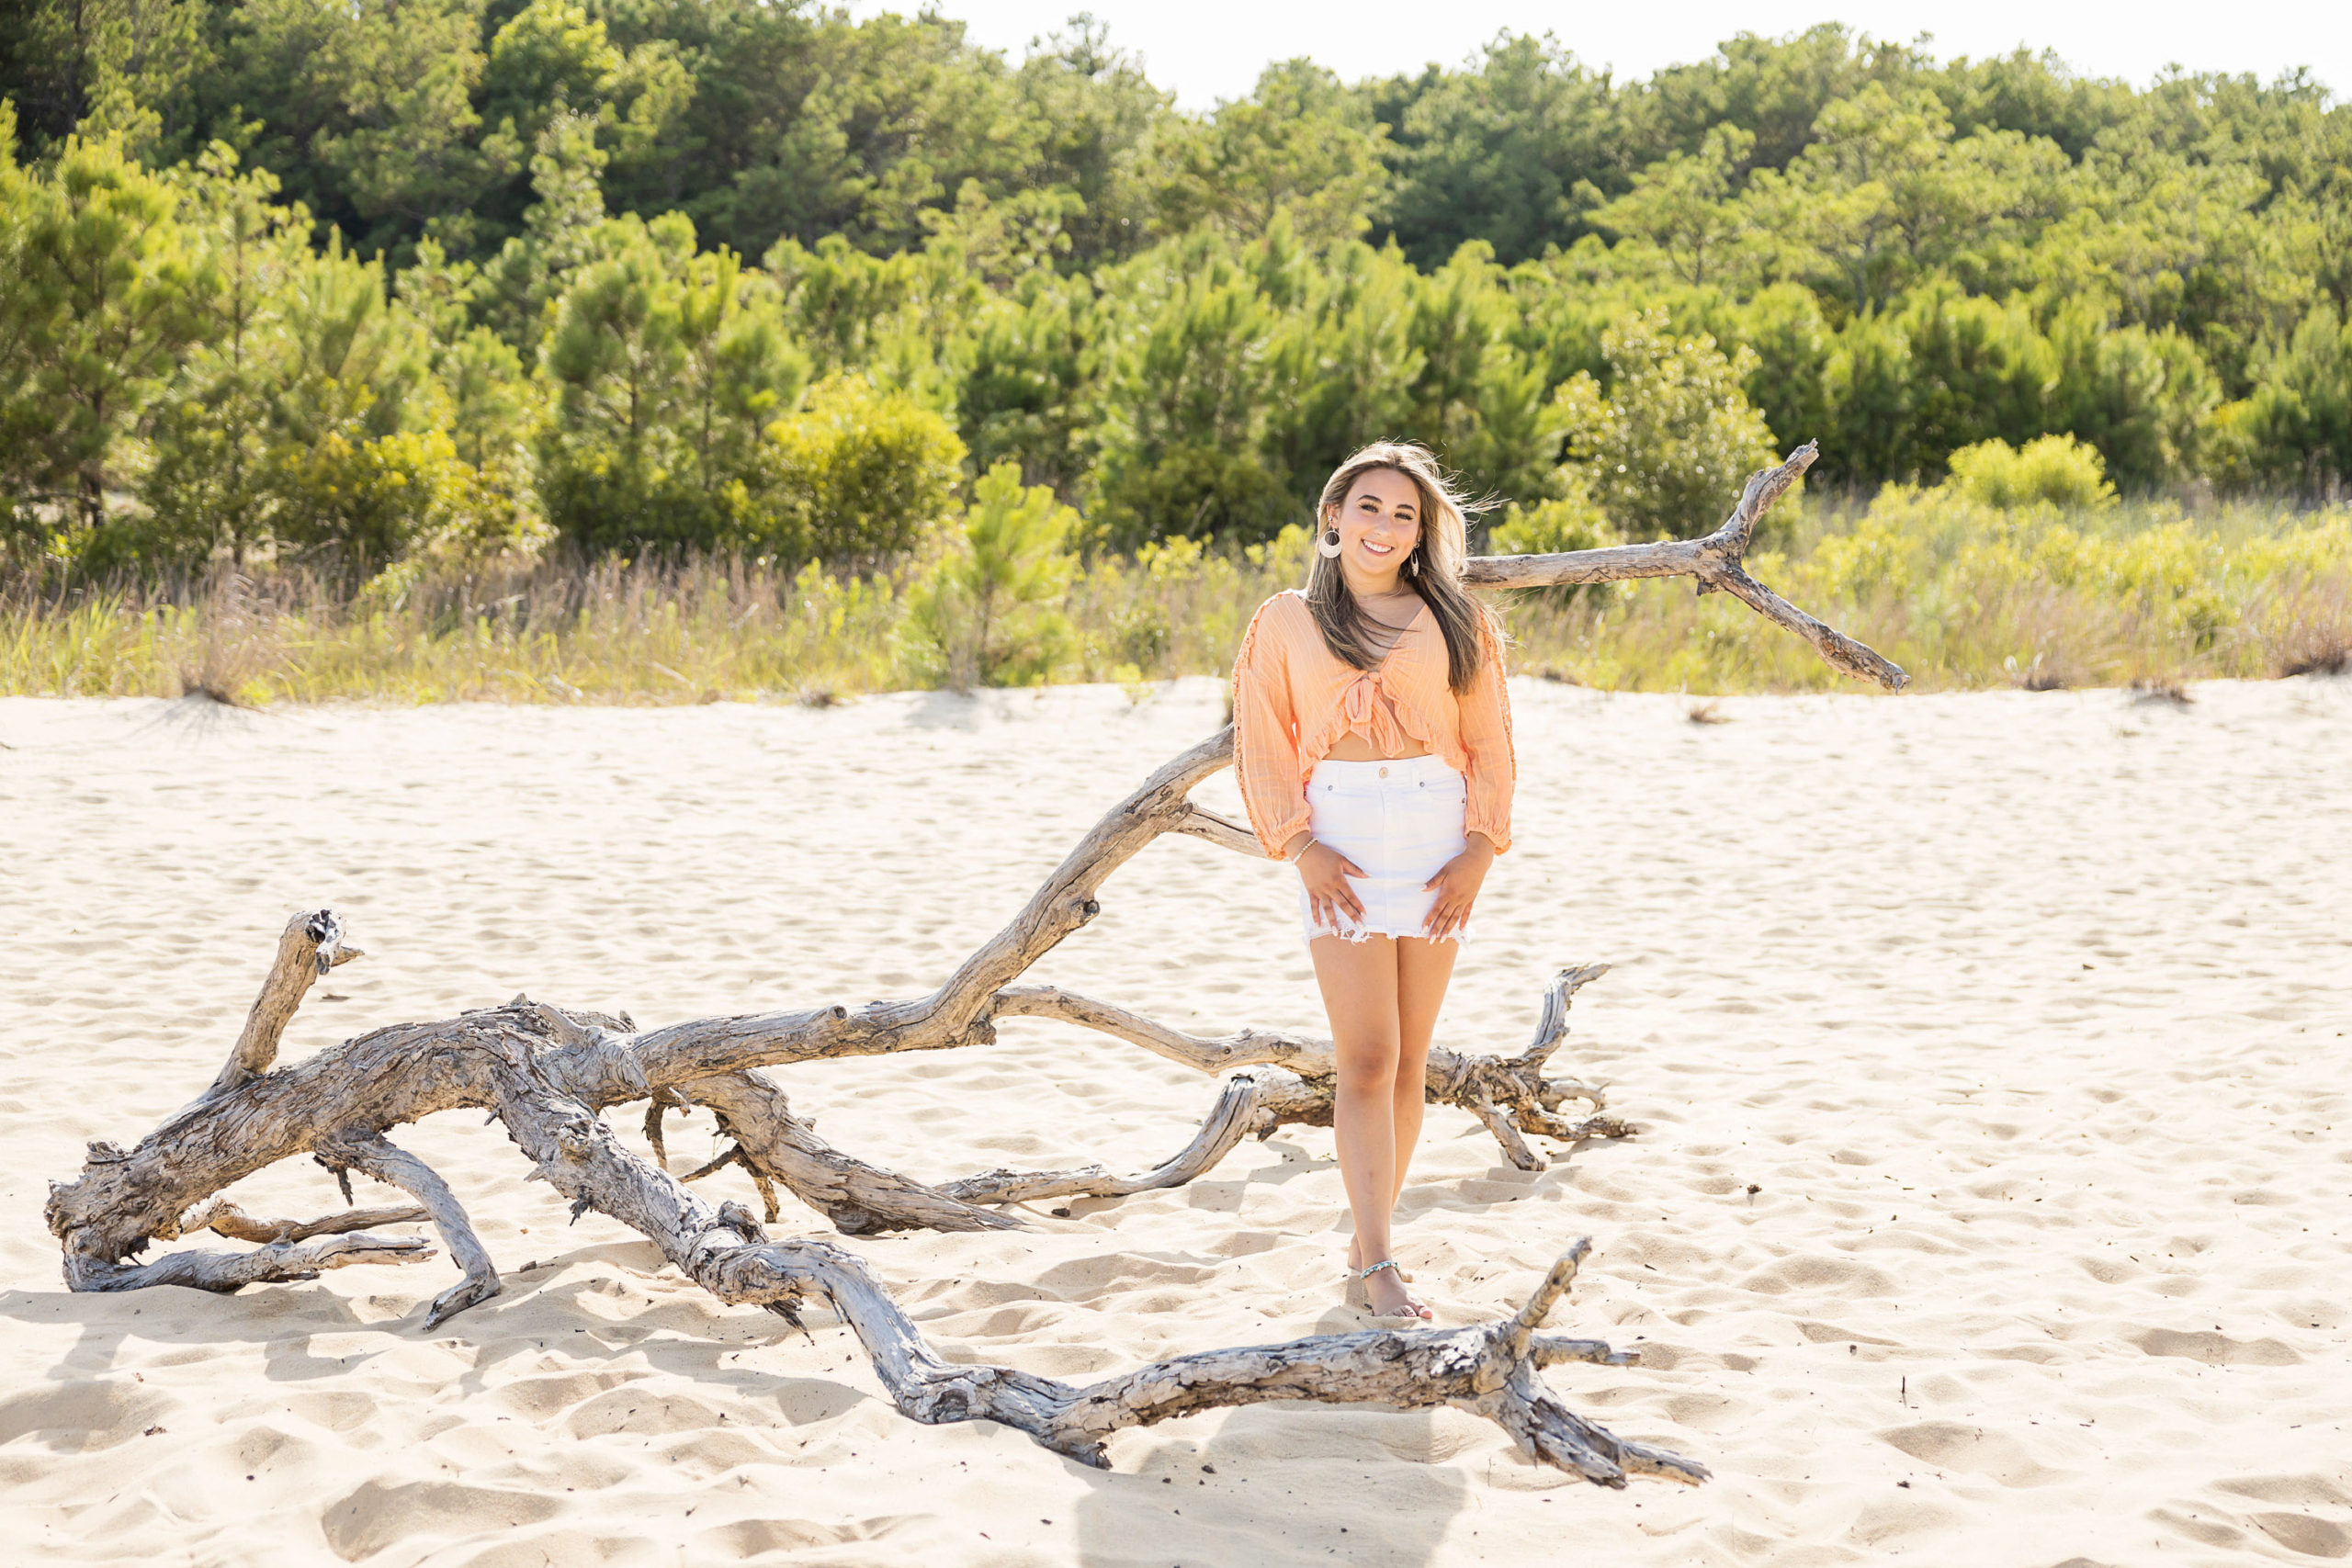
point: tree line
(374, 282)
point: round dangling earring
(1326, 544)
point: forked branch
(1717, 560)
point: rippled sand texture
(1989, 1204)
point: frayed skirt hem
(1358, 937)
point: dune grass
(1965, 596)
(1962, 595)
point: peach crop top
(1293, 698)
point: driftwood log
(548, 1075)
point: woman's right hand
(1324, 872)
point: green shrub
(2050, 470)
(366, 502)
(855, 473)
(2142, 398)
(303, 429)
(988, 609)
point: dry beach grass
(1964, 596)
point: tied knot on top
(1365, 705)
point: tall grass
(1964, 595)
(1960, 594)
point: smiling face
(1379, 524)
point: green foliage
(253, 248)
(1473, 398)
(1245, 374)
(1665, 448)
(213, 428)
(1778, 88)
(1885, 195)
(1497, 153)
(667, 364)
(1187, 405)
(514, 292)
(1680, 205)
(366, 111)
(2053, 470)
(1300, 148)
(2023, 568)
(494, 407)
(368, 501)
(2146, 399)
(102, 294)
(549, 56)
(1573, 522)
(302, 425)
(986, 610)
(2298, 426)
(855, 474)
(1784, 328)
(1026, 389)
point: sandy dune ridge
(1990, 1203)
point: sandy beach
(1989, 1202)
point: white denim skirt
(1400, 821)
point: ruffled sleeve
(1265, 734)
(1485, 720)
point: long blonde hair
(1433, 569)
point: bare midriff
(1357, 747)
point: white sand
(1989, 1207)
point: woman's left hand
(1457, 884)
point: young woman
(1371, 738)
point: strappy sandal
(1415, 1311)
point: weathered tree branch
(1509, 1094)
(1718, 561)
(225, 1218)
(312, 945)
(371, 1153)
(541, 1069)
(1250, 1103)
(858, 1198)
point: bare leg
(1358, 983)
(1423, 971)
